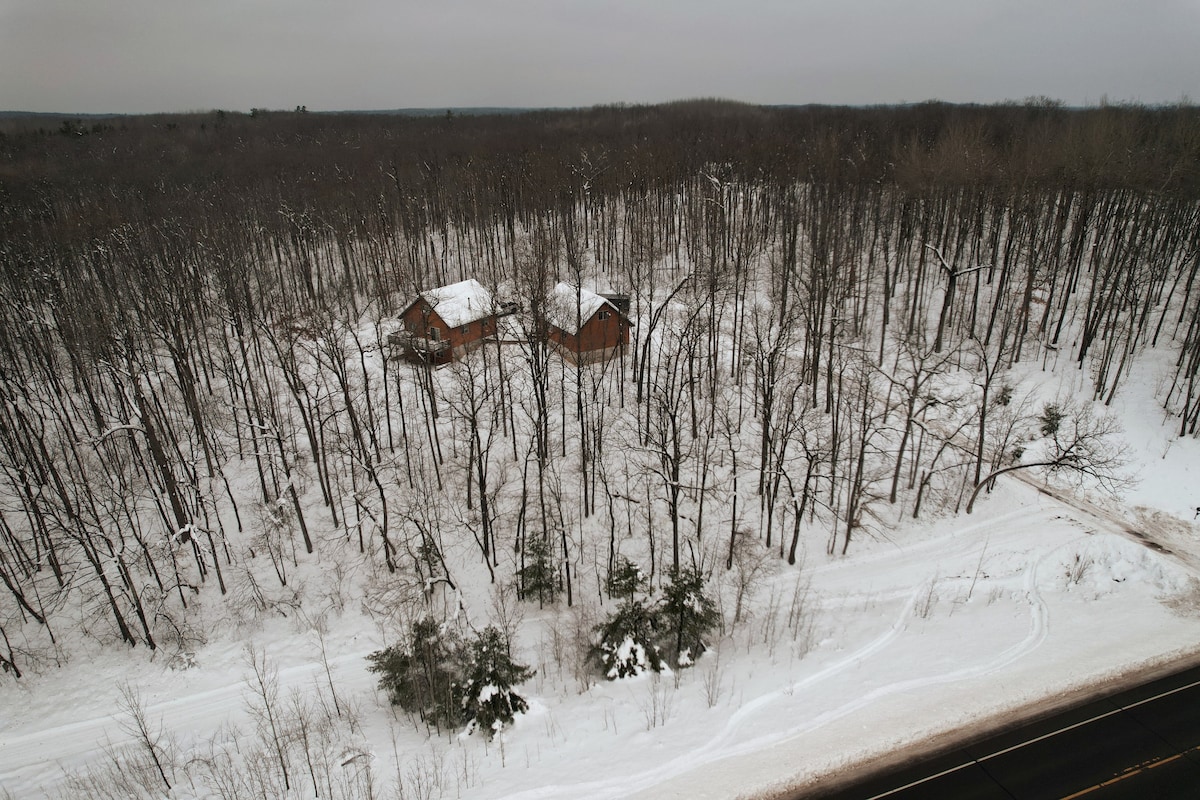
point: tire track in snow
(34, 761)
(721, 746)
(26, 767)
(1038, 631)
(842, 581)
(1037, 634)
(622, 787)
(944, 545)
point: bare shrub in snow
(768, 622)
(356, 776)
(148, 735)
(507, 614)
(713, 680)
(1078, 569)
(395, 601)
(125, 774)
(180, 637)
(658, 702)
(751, 565)
(927, 600)
(575, 646)
(422, 778)
(334, 593)
(802, 615)
(262, 700)
(247, 602)
(218, 769)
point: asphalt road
(1139, 743)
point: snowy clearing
(1022, 602)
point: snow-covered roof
(461, 303)
(560, 311)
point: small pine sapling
(420, 674)
(1051, 419)
(626, 579)
(688, 614)
(538, 575)
(487, 698)
(626, 646)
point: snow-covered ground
(929, 628)
(938, 628)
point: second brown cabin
(584, 326)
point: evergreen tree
(487, 699)
(539, 576)
(627, 641)
(422, 673)
(1051, 419)
(625, 579)
(688, 614)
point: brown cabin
(443, 323)
(585, 327)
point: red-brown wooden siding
(418, 321)
(595, 334)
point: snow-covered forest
(844, 324)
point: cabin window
(465, 329)
(605, 315)
(435, 334)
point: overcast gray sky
(179, 55)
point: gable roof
(459, 303)
(560, 311)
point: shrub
(1051, 419)
(626, 578)
(420, 674)
(627, 641)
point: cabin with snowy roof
(443, 323)
(584, 326)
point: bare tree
(1076, 441)
(149, 737)
(952, 276)
(264, 703)
(913, 377)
